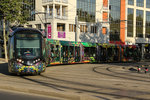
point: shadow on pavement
(61, 87)
(126, 64)
(4, 68)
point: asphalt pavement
(113, 81)
(13, 95)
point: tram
(26, 51)
(70, 52)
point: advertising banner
(61, 35)
(49, 31)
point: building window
(60, 27)
(147, 3)
(50, 11)
(38, 26)
(105, 3)
(93, 29)
(115, 20)
(83, 28)
(29, 26)
(130, 2)
(32, 8)
(140, 3)
(139, 23)
(105, 16)
(86, 10)
(147, 30)
(104, 30)
(72, 28)
(130, 23)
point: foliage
(14, 10)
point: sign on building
(49, 31)
(61, 35)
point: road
(113, 81)
(11, 95)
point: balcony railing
(64, 17)
(56, 17)
(63, 1)
(57, 0)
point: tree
(13, 11)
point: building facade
(73, 20)
(129, 21)
(102, 21)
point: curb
(57, 94)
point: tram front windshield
(28, 45)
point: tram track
(79, 87)
(120, 75)
(83, 89)
(60, 79)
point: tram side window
(65, 51)
(77, 51)
(57, 50)
(52, 50)
(71, 49)
(110, 52)
(129, 52)
(103, 52)
(11, 51)
(43, 47)
(93, 52)
(86, 52)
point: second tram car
(26, 51)
(70, 52)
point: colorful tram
(70, 52)
(26, 51)
(29, 52)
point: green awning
(69, 43)
(56, 42)
(88, 44)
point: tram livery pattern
(69, 52)
(19, 68)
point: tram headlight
(20, 61)
(37, 60)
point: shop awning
(88, 44)
(69, 43)
(56, 42)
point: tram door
(86, 53)
(77, 54)
(64, 54)
(55, 54)
(116, 54)
(103, 54)
(93, 54)
(71, 54)
(48, 53)
(110, 54)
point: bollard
(139, 69)
(146, 69)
